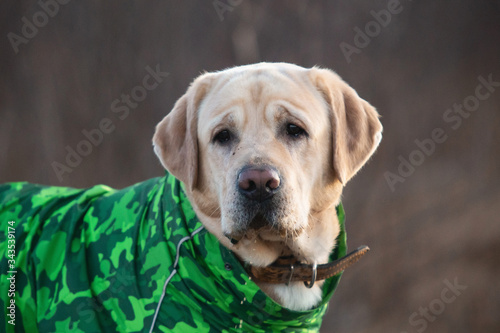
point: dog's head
(264, 151)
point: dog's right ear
(175, 140)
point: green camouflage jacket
(131, 260)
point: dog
(235, 237)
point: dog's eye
(222, 137)
(294, 130)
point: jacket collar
(238, 298)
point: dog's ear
(356, 128)
(176, 141)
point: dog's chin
(256, 251)
(262, 247)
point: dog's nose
(258, 183)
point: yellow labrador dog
(264, 151)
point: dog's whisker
(214, 211)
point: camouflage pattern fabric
(131, 260)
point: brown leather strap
(285, 270)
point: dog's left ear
(356, 128)
(176, 141)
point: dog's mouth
(263, 234)
(260, 228)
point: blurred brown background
(438, 227)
